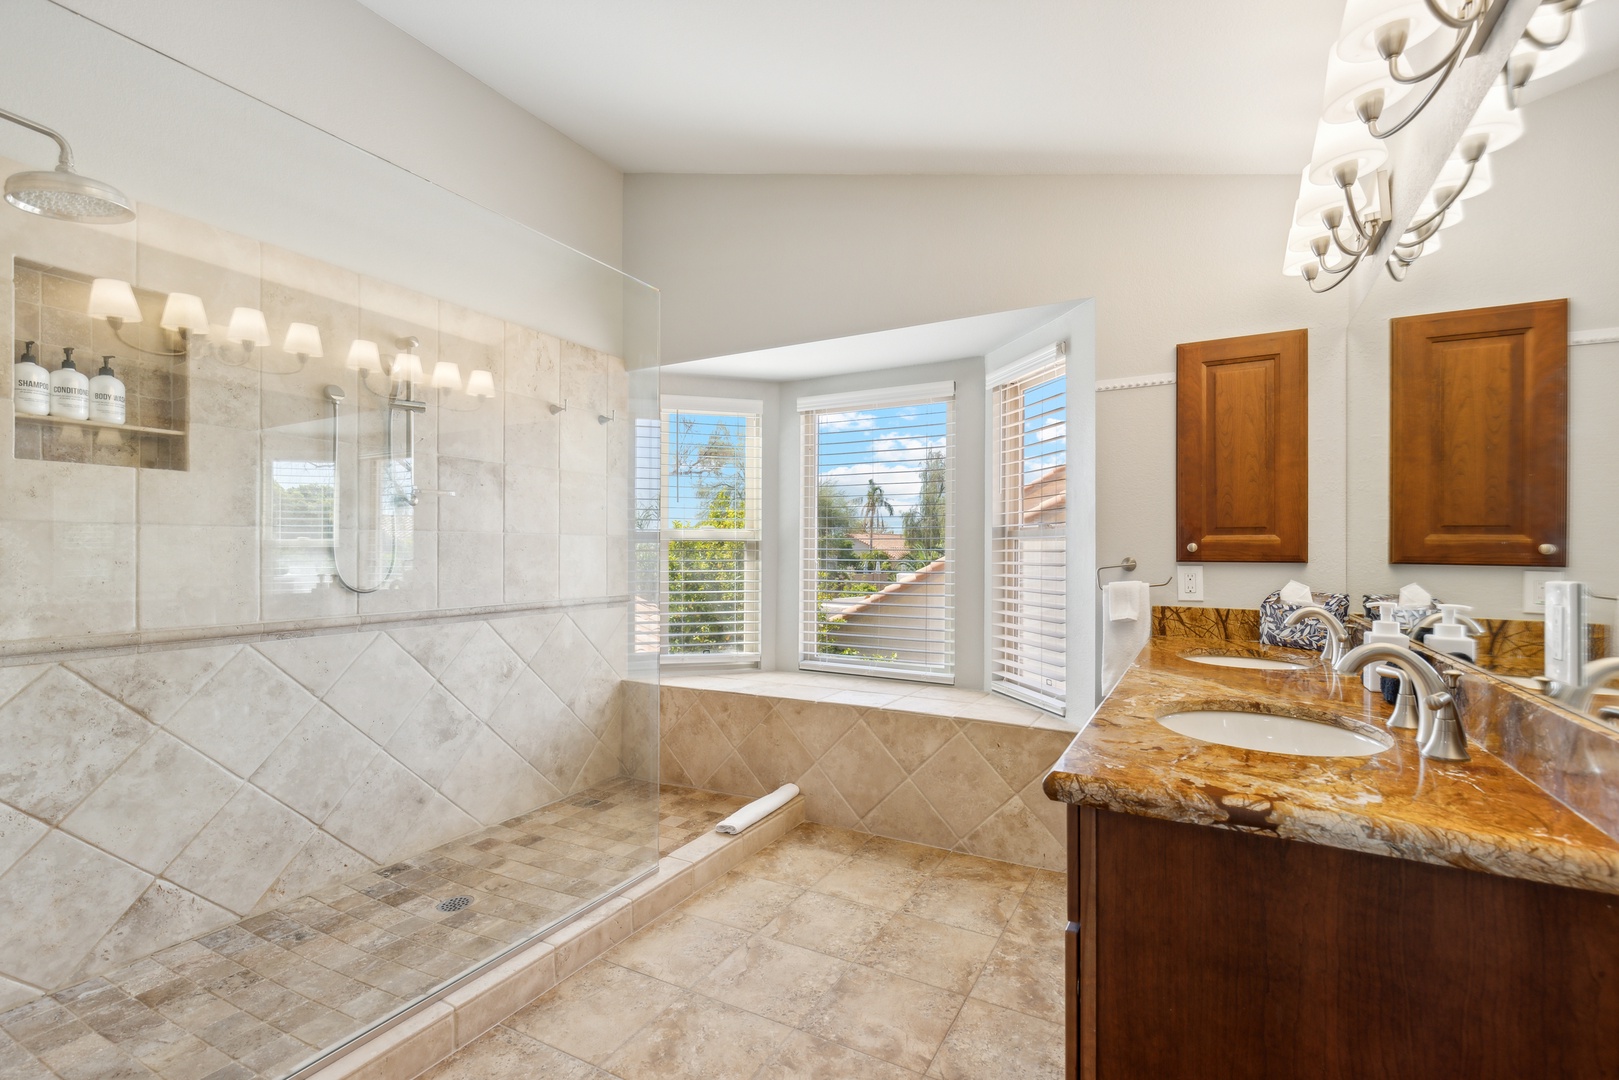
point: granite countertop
(1476, 815)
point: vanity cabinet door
(1478, 421)
(1242, 480)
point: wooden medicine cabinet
(1242, 481)
(1478, 436)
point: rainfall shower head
(63, 194)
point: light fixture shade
(480, 383)
(1347, 83)
(1496, 120)
(302, 339)
(111, 298)
(1337, 144)
(1547, 25)
(363, 356)
(247, 326)
(1357, 42)
(446, 376)
(407, 365)
(185, 313)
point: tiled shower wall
(158, 781)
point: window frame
(751, 411)
(1004, 606)
(808, 409)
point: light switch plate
(1534, 588)
(1189, 582)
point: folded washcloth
(1297, 594)
(1126, 599)
(757, 810)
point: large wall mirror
(1546, 229)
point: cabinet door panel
(1242, 455)
(1479, 428)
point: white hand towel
(757, 810)
(1296, 594)
(1414, 596)
(1124, 632)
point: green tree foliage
(707, 579)
(925, 522)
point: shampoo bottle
(1386, 630)
(1450, 637)
(70, 390)
(31, 389)
(107, 399)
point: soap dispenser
(1450, 636)
(31, 388)
(1386, 630)
(107, 397)
(70, 390)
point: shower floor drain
(455, 903)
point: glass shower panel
(320, 688)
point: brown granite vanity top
(1476, 815)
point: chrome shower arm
(64, 157)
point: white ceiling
(903, 86)
(955, 339)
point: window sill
(860, 691)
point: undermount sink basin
(1257, 663)
(1274, 734)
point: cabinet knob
(1548, 549)
(1191, 547)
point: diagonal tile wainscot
(957, 769)
(150, 796)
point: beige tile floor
(257, 999)
(830, 955)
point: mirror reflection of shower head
(334, 394)
(63, 194)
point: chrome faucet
(1337, 636)
(1439, 729)
(1594, 674)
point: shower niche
(52, 308)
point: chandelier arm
(1421, 234)
(1396, 275)
(1439, 211)
(1354, 252)
(1371, 125)
(1450, 58)
(1339, 278)
(1541, 43)
(1455, 22)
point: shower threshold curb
(416, 1040)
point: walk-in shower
(294, 742)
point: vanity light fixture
(302, 341)
(446, 376)
(114, 300)
(407, 365)
(248, 329)
(184, 314)
(480, 384)
(364, 357)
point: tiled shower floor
(261, 997)
(829, 955)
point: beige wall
(341, 67)
(752, 262)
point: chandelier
(1390, 59)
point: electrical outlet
(1189, 582)
(1534, 588)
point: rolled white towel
(757, 810)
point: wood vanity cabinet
(1242, 461)
(1198, 951)
(1478, 436)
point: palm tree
(874, 502)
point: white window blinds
(878, 584)
(709, 530)
(1029, 530)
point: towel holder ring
(1128, 565)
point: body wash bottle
(107, 398)
(32, 385)
(70, 390)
